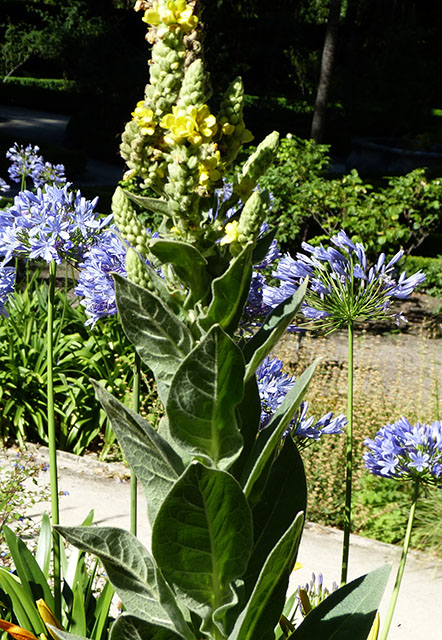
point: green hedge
(432, 267)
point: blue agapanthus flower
(52, 224)
(406, 451)
(273, 385)
(95, 283)
(342, 287)
(7, 281)
(26, 162)
(4, 186)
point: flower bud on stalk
(257, 165)
(125, 217)
(137, 271)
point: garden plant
(223, 472)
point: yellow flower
(210, 169)
(231, 230)
(144, 119)
(18, 633)
(192, 124)
(176, 13)
(47, 616)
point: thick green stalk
(55, 512)
(349, 457)
(400, 571)
(133, 478)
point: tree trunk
(328, 54)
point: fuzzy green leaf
(64, 635)
(152, 204)
(263, 609)
(285, 495)
(187, 261)
(153, 461)
(161, 340)
(130, 568)
(347, 613)
(229, 293)
(275, 324)
(202, 538)
(202, 399)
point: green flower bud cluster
(257, 165)
(166, 72)
(230, 118)
(137, 271)
(251, 219)
(125, 217)
(144, 159)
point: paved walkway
(105, 488)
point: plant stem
(401, 568)
(349, 457)
(133, 478)
(55, 513)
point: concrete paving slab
(90, 484)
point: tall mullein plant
(226, 501)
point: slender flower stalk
(400, 572)
(53, 469)
(348, 457)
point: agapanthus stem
(52, 439)
(133, 478)
(349, 457)
(401, 568)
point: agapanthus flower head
(406, 451)
(273, 385)
(95, 281)
(26, 162)
(342, 288)
(52, 224)
(7, 281)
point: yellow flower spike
(231, 230)
(374, 631)
(16, 632)
(47, 616)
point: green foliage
(386, 504)
(82, 611)
(16, 496)
(401, 214)
(432, 267)
(79, 355)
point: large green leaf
(64, 635)
(284, 496)
(347, 614)
(275, 324)
(229, 293)
(187, 261)
(202, 538)
(128, 627)
(130, 568)
(153, 461)
(202, 398)
(264, 606)
(270, 438)
(249, 419)
(161, 340)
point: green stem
(349, 457)
(133, 478)
(401, 568)
(55, 512)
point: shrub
(432, 267)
